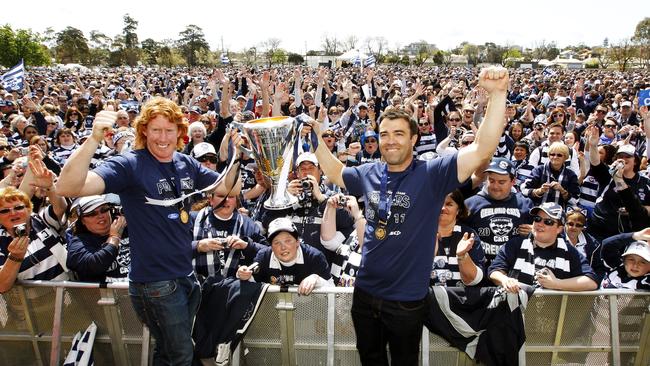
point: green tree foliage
(422, 56)
(130, 51)
(192, 40)
(21, 44)
(642, 40)
(279, 56)
(150, 51)
(295, 58)
(72, 46)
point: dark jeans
(378, 322)
(168, 309)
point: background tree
(350, 43)
(471, 51)
(192, 40)
(405, 60)
(150, 51)
(602, 55)
(100, 45)
(295, 59)
(377, 46)
(130, 52)
(330, 45)
(545, 50)
(621, 53)
(71, 46)
(279, 57)
(642, 40)
(270, 46)
(422, 56)
(508, 56)
(21, 44)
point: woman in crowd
(98, 245)
(459, 257)
(30, 245)
(553, 181)
(587, 245)
(197, 133)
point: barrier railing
(39, 319)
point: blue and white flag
(370, 61)
(356, 61)
(13, 80)
(81, 353)
(644, 98)
(548, 72)
(224, 59)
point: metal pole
(55, 350)
(331, 317)
(613, 320)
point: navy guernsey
(398, 267)
(161, 245)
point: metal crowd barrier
(39, 319)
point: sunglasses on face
(211, 159)
(547, 222)
(558, 115)
(326, 135)
(610, 126)
(600, 111)
(426, 124)
(465, 143)
(94, 213)
(575, 224)
(5, 211)
(553, 155)
(455, 119)
(372, 141)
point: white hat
(626, 149)
(307, 156)
(87, 204)
(279, 225)
(626, 103)
(640, 248)
(203, 148)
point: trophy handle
(240, 126)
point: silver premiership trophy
(272, 141)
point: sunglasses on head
(101, 210)
(547, 222)
(5, 211)
(203, 159)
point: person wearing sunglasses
(369, 150)
(543, 258)
(31, 247)
(426, 138)
(98, 242)
(553, 181)
(587, 245)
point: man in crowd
(389, 301)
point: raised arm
(75, 179)
(495, 81)
(330, 164)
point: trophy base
(280, 204)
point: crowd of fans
(564, 203)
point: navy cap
(552, 209)
(501, 166)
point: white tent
(350, 55)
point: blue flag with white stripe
(548, 72)
(356, 61)
(224, 59)
(370, 61)
(644, 98)
(13, 80)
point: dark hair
(400, 114)
(610, 152)
(463, 212)
(522, 144)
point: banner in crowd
(644, 98)
(13, 80)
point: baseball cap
(501, 166)
(307, 156)
(281, 224)
(626, 103)
(196, 109)
(362, 105)
(640, 248)
(203, 148)
(540, 118)
(87, 204)
(626, 149)
(241, 97)
(552, 209)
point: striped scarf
(525, 262)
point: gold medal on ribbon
(380, 233)
(185, 217)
